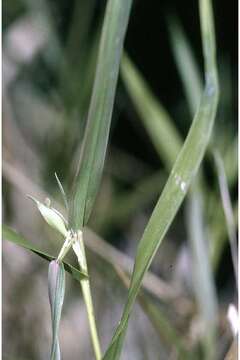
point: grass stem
(86, 290)
(79, 250)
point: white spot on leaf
(179, 182)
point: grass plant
(181, 158)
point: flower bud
(56, 290)
(51, 217)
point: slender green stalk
(86, 290)
(79, 250)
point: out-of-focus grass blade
(79, 31)
(129, 201)
(203, 280)
(76, 73)
(56, 290)
(100, 111)
(219, 234)
(11, 235)
(230, 160)
(160, 322)
(163, 327)
(186, 65)
(155, 118)
(181, 176)
(228, 210)
(76, 44)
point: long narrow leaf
(202, 273)
(182, 175)
(100, 111)
(12, 236)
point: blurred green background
(49, 55)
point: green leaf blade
(100, 111)
(182, 175)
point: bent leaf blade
(182, 175)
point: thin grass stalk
(79, 250)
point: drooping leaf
(100, 112)
(12, 236)
(181, 177)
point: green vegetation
(87, 72)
